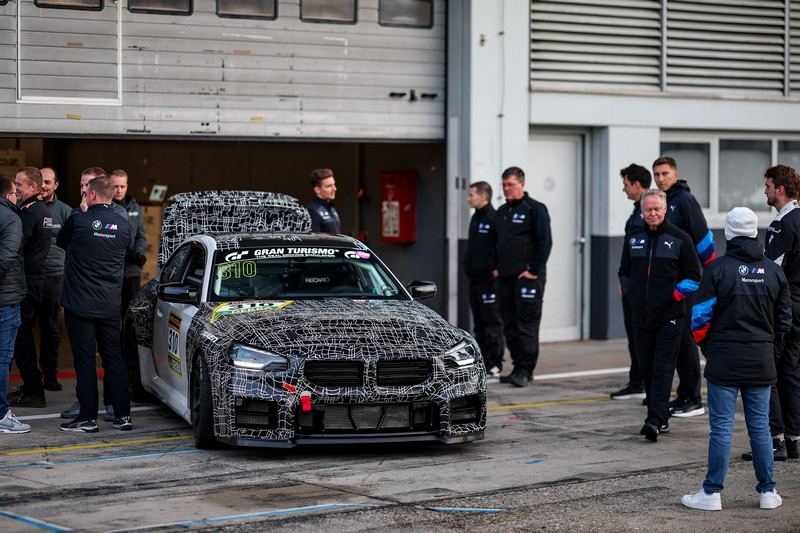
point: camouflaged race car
(279, 337)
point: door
(554, 176)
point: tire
(202, 406)
(130, 351)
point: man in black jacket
(685, 213)
(659, 269)
(134, 259)
(36, 228)
(635, 180)
(524, 242)
(96, 242)
(479, 262)
(324, 218)
(12, 293)
(741, 308)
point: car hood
(337, 325)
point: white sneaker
(493, 372)
(703, 501)
(770, 500)
(10, 424)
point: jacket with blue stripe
(659, 269)
(742, 310)
(684, 211)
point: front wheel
(202, 405)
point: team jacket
(138, 245)
(635, 222)
(36, 231)
(523, 237)
(783, 243)
(684, 211)
(659, 269)
(59, 213)
(12, 275)
(742, 304)
(324, 217)
(480, 258)
(96, 242)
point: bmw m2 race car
(279, 337)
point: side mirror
(177, 293)
(422, 290)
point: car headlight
(254, 359)
(462, 354)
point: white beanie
(741, 222)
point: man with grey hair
(659, 269)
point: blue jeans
(9, 323)
(721, 410)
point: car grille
(334, 373)
(403, 372)
(371, 418)
(259, 414)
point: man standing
(635, 180)
(50, 309)
(36, 244)
(523, 247)
(96, 242)
(741, 307)
(782, 186)
(324, 218)
(480, 260)
(659, 269)
(12, 292)
(685, 213)
(134, 259)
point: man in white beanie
(741, 308)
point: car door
(172, 319)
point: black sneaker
(628, 392)
(28, 400)
(677, 402)
(16, 393)
(518, 379)
(664, 428)
(52, 384)
(650, 431)
(80, 426)
(687, 410)
(778, 451)
(123, 423)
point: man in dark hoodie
(684, 212)
(658, 271)
(741, 308)
(134, 258)
(524, 242)
(36, 230)
(324, 218)
(479, 262)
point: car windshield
(342, 273)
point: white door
(554, 176)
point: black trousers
(657, 349)
(521, 310)
(634, 375)
(784, 401)
(688, 367)
(84, 335)
(25, 346)
(49, 312)
(488, 325)
(130, 286)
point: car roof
(267, 240)
(227, 211)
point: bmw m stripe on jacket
(741, 307)
(659, 269)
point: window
(254, 9)
(94, 5)
(741, 173)
(413, 13)
(174, 268)
(343, 11)
(167, 7)
(693, 166)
